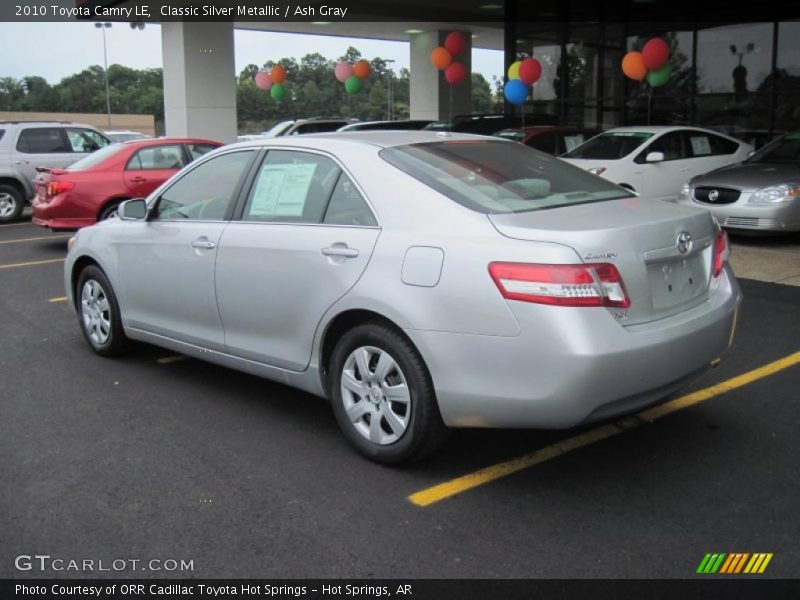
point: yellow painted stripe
(461, 484)
(764, 564)
(36, 239)
(57, 299)
(759, 559)
(167, 360)
(32, 263)
(752, 562)
(727, 563)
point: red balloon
(655, 54)
(455, 42)
(530, 70)
(456, 73)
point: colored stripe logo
(734, 563)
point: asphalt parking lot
(155, 456)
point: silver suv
(26, 145)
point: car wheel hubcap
(375, 394)
(7, 205)
(95, 312)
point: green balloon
(659, 77)
(277, 91)
(353, 85)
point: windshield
(278, 129)
(499, 177)
(784, 150)
(95, 158)
(610, 146)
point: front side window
(156, 158)
(207, 192)
(42, 140)
(498, 177)
(670, 145)
(85, 140)
(291, 187)
(610, 146)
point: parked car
(656, 161)
(415, 280)
(91, 189)
(26, 145)
(126, 136)
(303, 126)
(488, 124)
(761, 193)
(410, 124)
(249, 137)
(550, 139)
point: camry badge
(713, 195)
(684, 242)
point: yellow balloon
(513, 70)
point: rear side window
(156, 158)
(499, 177)
(42, 140)
(546, 142)
(706, 144)
(347, 206)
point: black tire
(425, 432)
(13, 203)
(109, 209)
(115, 342)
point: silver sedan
(418, 280)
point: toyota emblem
(684, 242)
(713, 195)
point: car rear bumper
(574, 365)
(51, 216)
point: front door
(663, 180)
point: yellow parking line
(36, 239)
(57, 299)
(445, 490)
(17, 224)
(167, 360)
(32, 263)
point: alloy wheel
(95, 312)
(7, 205)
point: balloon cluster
(442, 58)
(352, 76)
(521, 75)
(651, 63)
(273, 81)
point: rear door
(305, 236)
(151, 166)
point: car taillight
(55, 188)
(597, 284)
(721, 252)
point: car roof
(660, 128)
(165, 140)
(379, 138)
(542, 128)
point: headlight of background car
(686, 191)
(776, 193)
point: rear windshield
(95, 158)
(611, 145)
(785, 150)
(498, 176)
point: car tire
(98, 313)
(400, 422)
(109, 210)
(12, 203)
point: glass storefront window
(788, 59)
(545, 48)
(734, 58)
(581, 61)
(746, 118)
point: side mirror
(654, 157)
(133, 210)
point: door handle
(340, 250)
(204, 244)
(138, 180)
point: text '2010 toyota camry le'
(418, 280)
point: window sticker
(573, 141)
(282, 189)
(700, 145)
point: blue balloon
(516, 91)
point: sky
(56, 50)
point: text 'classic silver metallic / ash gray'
(418, 280)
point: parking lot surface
(157, 456)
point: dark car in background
(407, 125)
(552, 140)
(488, 124)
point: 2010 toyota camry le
(418, 280)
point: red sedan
(91, 189)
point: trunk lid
(44, 176)
(640, 238)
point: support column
(199, 80)
(430, 93)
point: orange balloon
(362, 69)
(441, 58)
(633, 65)
(277, 74)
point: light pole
(103, 27)
(390, 103)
